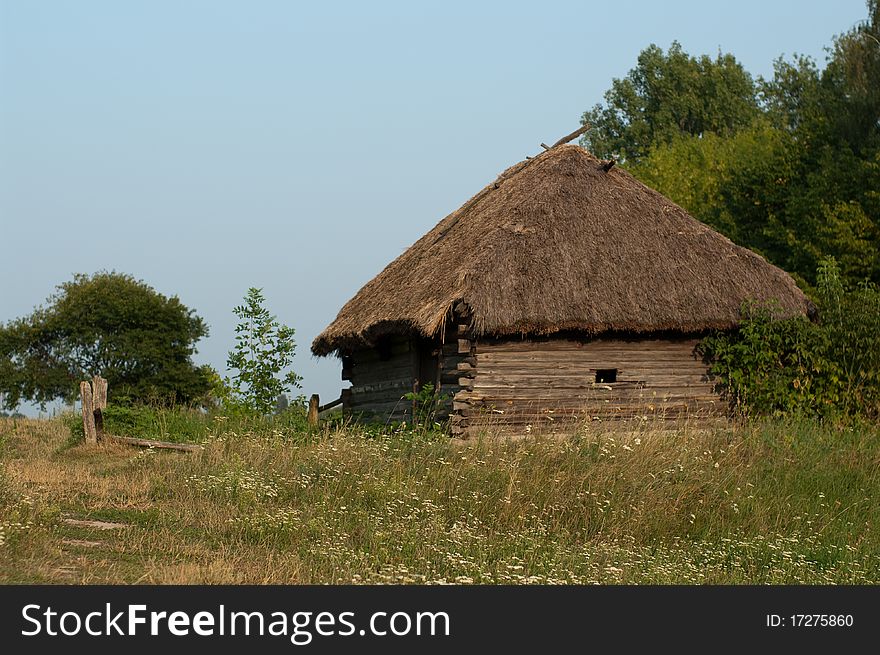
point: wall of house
(548, 384)
(379, 379)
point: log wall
(378, 385)
(518, 386)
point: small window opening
(606, 375)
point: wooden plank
(99, 392)
(583, 401)
(671, 382)
(572, 361)
(330, 405)
(553, 408)
(88, 413)
(585, 418)
(99, 403)
(597, 344)
(358, 400)
(384, 385)
(314, 403)
(150, 443)
(464, 346)
(382, 370)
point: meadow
(763, 502)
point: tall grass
(768, 502)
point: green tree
(789, 167)
(111, 325)
(667, 95)
(263, 351)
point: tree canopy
(108, 324)
(667, 95)
(787, 166)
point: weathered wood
(553, 381)
(99, 392)
(330, 405)
(385, 385)
(99, 401)
(377, 371)
(572, 136)
(314, 403)
(150, 443)
(88, 413)
(399, 346)
(464, 346)
(552, 343)
(396, 392)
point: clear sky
(208, 146)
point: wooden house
(564, 290)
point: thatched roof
(558, 243)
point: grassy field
(766, 503)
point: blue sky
(207, 146)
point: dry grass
(766, 503)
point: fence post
(99, 400)
(88, 413)
(314, 403)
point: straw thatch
(558, 243)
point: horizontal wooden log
(574, 383)
(384, 385)
(385, 408)
(380, 370)
(623, 360)
(330, 405)
(150, 443)
(551, 345)
(477, 409)
(464, 346)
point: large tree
(667, 95)
(108, 324)
(789, 167)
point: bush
(177, 424)
(187, 425)
(794, 366)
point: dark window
(606, 375)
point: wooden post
(314, 403)
(88, 413)
(99, 400)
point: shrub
(793, 365)
(263, 351)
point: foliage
(177, 424)
(264, 350)
(796, 366)
(787, 166)
(427, 402)
(111, 325)
(668, 95)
